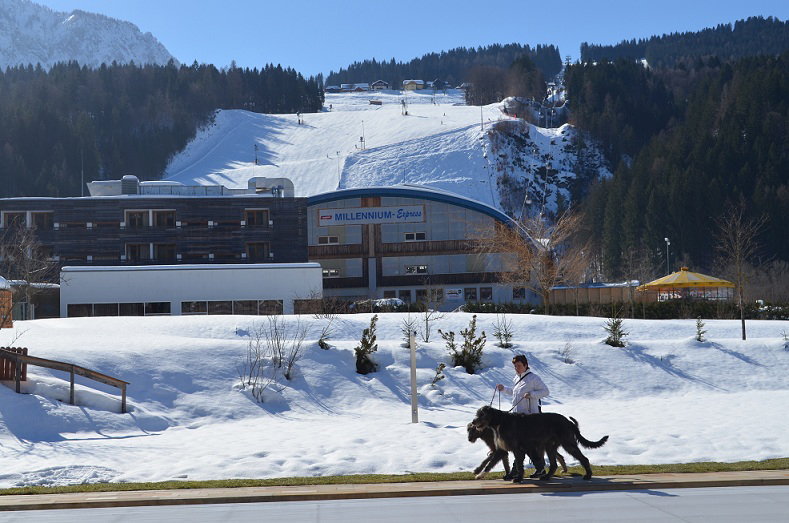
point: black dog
(495, 455)
(534, 434)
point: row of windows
(118, 309)
(132, 219)
(248, 307)
(469, 294)
(254, 251)
(409, 237)
(166, 253)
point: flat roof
(191, 267)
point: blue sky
(318, 36)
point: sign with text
(371, 215)
(454, 294)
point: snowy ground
(665, 398)
(441, 143)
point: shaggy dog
(534, 434)
(495, 455)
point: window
(245, 307)
(136, 218)
(421, 295)
(415, 236)
(105, 309)
(220, 307)
(470, 294)
(164, 218)
(331, 273)
(258, 251)
(164, 252)
(326, 240)
(390, 294)
(256, 217)
(194, 307)
(270, 306)
(416, 269)
(486, 293)
(404, 295)
(157, 308)
(77, 310)
(43, 220)
(14, 219)
(519, 293)
(138, 251)
(131, 309)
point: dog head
(483, 418)
(473, 433)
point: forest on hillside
(681, 164)
(751, 37)
(71, 123)
(452, 67)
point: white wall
(177, 283)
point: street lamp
(668, 271)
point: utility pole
(668, 270)
(82, 170)
(256, 154)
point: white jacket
(532, 384)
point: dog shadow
(590, 487)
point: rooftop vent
(130, 184)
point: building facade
(176, 290)
(411, 243)
(150, 223)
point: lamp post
(668, 270)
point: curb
(387, 490)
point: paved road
(765, 504)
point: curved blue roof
(410, 191)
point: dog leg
(560, 458)
(518, 466)
(552, 459)
(577, 454)
(536, 455)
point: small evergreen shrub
(367, 345)
(469, 355)
(438, 377)
(616, 333)
(700, 332)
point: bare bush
(566, 353)
(502, 331)
(256, 371)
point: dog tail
(585, 442)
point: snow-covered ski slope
(439, 143)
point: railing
(20, 360)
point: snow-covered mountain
(425, 138)
(31, 34)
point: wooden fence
(18, 361)
(8, 367)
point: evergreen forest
(74, 123)
(452, 67)
(686, 143)
(751, 37)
